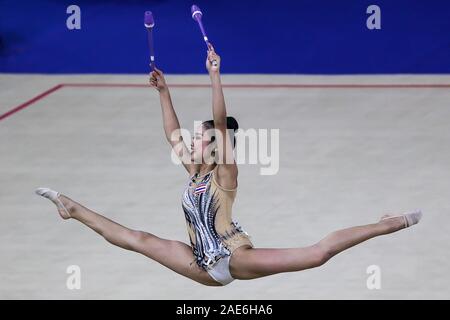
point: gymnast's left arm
(227, 169)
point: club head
(149, 22)
(196, 12)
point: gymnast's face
(201, 146)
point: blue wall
(308, 37)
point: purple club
(197, 16)
(149, 23)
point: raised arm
(227, 169)
(170, 120)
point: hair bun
(232, 123)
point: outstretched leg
(175, 255)
(251, 263)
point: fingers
(212, 56)
(213, 59)
(152, 80)
(156, 76)
(211, 52)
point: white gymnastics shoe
(54, 197)
(409, 218)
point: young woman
(220, 250)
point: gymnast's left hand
(212, 60)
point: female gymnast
(220, 250)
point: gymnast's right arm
(170, 120)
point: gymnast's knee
(321, 254)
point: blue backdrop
(264, 36)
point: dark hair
(232, 124)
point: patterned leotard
(212, 231)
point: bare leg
(250, 263)
(175, 255)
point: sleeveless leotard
(208, 211)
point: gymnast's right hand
(157, 80)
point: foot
(404, 220)
(61, 202)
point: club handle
(151, 47)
